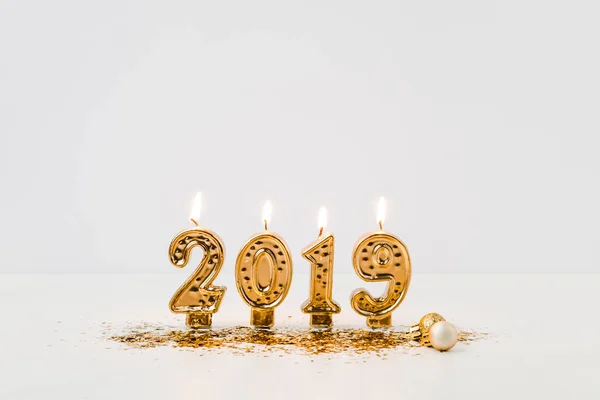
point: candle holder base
(383, 321)
(260, 318)
(198, 320)
(321, 320)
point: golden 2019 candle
(263, 273)
(380, 257)
(197, 298)
(320, 304)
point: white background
(478, 120)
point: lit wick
(267, 211)
(322, 220)
(381, 212)
(195, 213)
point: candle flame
(267, 211)
(381, 212)
(195, 213)
(322, 219)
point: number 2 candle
(380, 257)
(319, 253)
(263, 273)
(197, 297)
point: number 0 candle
(380, 257)
(263, 273)
(319, 253)
(197, 297)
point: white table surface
(542, 342)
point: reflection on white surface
(52, 345)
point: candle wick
(321, 231)
(194, 221)
(266, 229)
(380, 225)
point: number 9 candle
(197, 297)
(319, 253)
(263, 273)
(380, 257)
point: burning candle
(320, 304)
(380, 257)
(197, 297)
(263, 273)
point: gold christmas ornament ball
(443, 335)
(420, 331)
(428, 320)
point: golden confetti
(242, 340)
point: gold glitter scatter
(243, 340)
(468, 337)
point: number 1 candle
(319, 253)
(263, 273)
(197, 297)
(380, 257)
